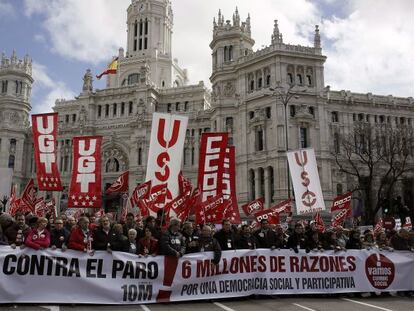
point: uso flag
(85, 186)
(44, 128)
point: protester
(101, 235)
(226, 236)
(148, 245)
(118, 241)
(81, 237)
(150, 222)
(132, 239)
(400, 241)
(369, 241)
(17, 232)
(265, 236)
(70, 223)
(246, 240)
(330, 241)
(209, 244)
(297, 241)
(59, 236)
(341, 237)
(382, 242)
(190, 239)
(3, 238)
(354, 241)
(172, 242)
(38, 237)
(130, 223)
(313, 242)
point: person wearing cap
(172, 242)
(59, 236)
(38, 237)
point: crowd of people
(151, 237)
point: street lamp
(285, 95)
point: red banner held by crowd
(270, 215)
(120, 184)
(85, 186)
(211, 164)
(44, 128)
(229, 186)
(342, 202)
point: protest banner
(51, 276)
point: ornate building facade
(250, 90)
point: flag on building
(112, 68)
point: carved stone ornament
(229, 89)
(114, 160)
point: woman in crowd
(148, 245)
(132, 240)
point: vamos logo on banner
(85, 186)
(44, 128)
(166, 152)
(306, 183)
(380, 271)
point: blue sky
(369, 43)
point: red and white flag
(270, 215)
(320, 225)
(40, 208)
(229, 186)
(340, 217)
(379, 226)
(253, 207)
(12, 201)
(180, 205)
(208, 207)
(120, 184)
(138, 197)
(342, 202)
(86, 186)
(165, 154)
(44, 128)
(284, 207)
(184, 184)
(211, 164)
(28, 198)
(407, 225)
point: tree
(377, 157)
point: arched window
(299, 78)
(133, 78)
(139, 156)
(290, 78)
(268, 80)
(309, 80)
(261, 182)
(339, 189)
(11, 161)
(225, 53)
(112, 165)
(252, 194)
(260, 83)
(230, 53)
(251, 86)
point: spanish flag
(112, 67)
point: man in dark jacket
(265, 236)
(400, 241)
(118, 241)
(226, 236)
(297, 239)
(190, 238)
(172, 242)
(17, 232)
(101, 235)
(246, 240)
(59, 236)
(209, 244)
(130, 223)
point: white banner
(305, 180)
(48, 276)
(166, 151)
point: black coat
(59, 237)
(100, 239)
(171, 243)
(246, 242)
(210, 245)
(227, 240)
(118, 242)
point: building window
(74, 118)
(114, 110)
(106, 110)
(303, 143)
(272, 184)
(67, 118)
(309, 80)
(367, 118)
(168, 107)
(130, 108)
(334, 116)
(185, 106)
(139, 156)
(311, 110)
(292, 110)
(177, 106)
(337, 149)
(99, 111)
(252, 191)
(229, 123)
(360, 117)
(230, 141)
(268, 80)
(133, 78)
(251, 115)
(290, 78)
(185, 156)
(192, 155)
(268, 112)
(251, 86)
(299, 79)
(11, 161)
(19, 87)
(260, 83)
(4, 86)
(339, 189)
(259, 139)
(122, 109)
(381, 119)
(12, 147)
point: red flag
(112, 69)
(12, 201)
(283, 207)
(141, 192)
(28, 199)
(232, 212)
(407, 225)
(342, 202)
(44, 129)
(269, 214)
(379, 226)
(85, 186)
(120, 184)
(229, 186)
(253, 207)
(216, 215)
(183, 183)
(180, 205)
(211, 204)
(211, 164)
(100, 213)
(320, 225)
(40, 208)
(51, 208)
(195, 199)
(340, 217)
(157, 197)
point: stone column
(258, 193)
(267, 187)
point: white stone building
(246, 101)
